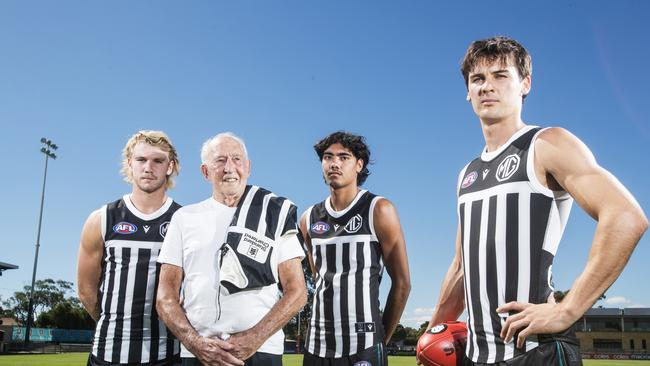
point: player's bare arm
(304, 230)
(208, 351)
(294, 297)
(89, 264)
(561, 159)
(451, 301)
(390, 236)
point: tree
(559, 295)
(48, 296)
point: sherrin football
(443, 344)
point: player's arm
(89, 264)
(451, 301)
(294, 297)
(304, 231)
(390, 236)
(564, 160)
(208, 351)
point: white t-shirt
(193, 239)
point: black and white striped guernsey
(511, 227)
(128, 330)
(345, 310)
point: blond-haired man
(117, 271)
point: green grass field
(79, 359)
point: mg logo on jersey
(507, 167)
(163, 228)
(354, 224)
(125, 228)
(320, 227)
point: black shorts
(94, 361)
(551, 352)
(257, 359)
(373, 356)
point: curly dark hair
(499, 48)
(355, 143)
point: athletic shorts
(553, 350)
(258, 359)
(373, 356)
(94, 361)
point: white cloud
(621, 302)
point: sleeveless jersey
(511, 226)
(128, 329)
(345, 310)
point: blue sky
(284, 74)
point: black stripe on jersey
(512, 252)
(119, 323)
(103, 332)
(358, 294)
(461, 214)
(272, 216)
(318, 262)
(492, 277)
(291, 220)
(475, 277)
(255, 210)
(330, 259)
(374, 291)
(137, 308)
(345, 320)
(539, 208)
(155, 322)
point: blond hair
(154, 138)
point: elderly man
(230, 253)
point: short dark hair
(496, 48)
(355, 143)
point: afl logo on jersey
(320, 227)
(163, 228)
(125, 228)
(507, 167)
(354, 224)
(469, 179)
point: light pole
(47, 149)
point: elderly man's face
(228, 168)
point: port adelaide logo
(507, 167)
(320, 227)
(354, 224)
(163, 228)
(125, 228)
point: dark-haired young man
(351, 236)
(513, 204)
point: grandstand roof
(604, 312)
(636, 311)
(4, 266)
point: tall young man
(351, 236)
(513, 203)
(117, 272)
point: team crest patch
(507, 167)
(125, 228)
(354, 224)
(320, 227)
(163, 228)
(469, 179)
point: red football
(443, 345)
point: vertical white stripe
(243, 213)
(261, 227)
(367, 311)
(148, 307)
(322, 303)
(352, 297)
(523, 276)
(110, 335)
(317, 284)
(336, 302)
(128, 304)
(482, 268)
(470, 303)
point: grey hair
(209, 145)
